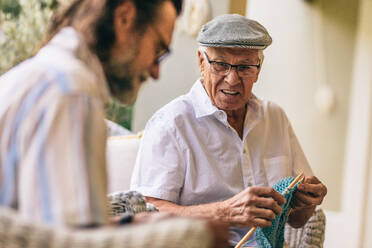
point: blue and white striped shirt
(53, 135)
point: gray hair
(203, 49)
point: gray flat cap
(234, 30)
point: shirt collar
(70, 40)
(200, 100)
(203, 105)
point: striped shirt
(53, 135)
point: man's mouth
(230, 92)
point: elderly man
(217, 151)
(53, 134)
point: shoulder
(173, 115)
(68, 72)
(272, 111)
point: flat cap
(234, 30)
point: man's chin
(127, 98)
(125, 89)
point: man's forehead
(165, 19)
(227, 52)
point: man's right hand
(253, 207)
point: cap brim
(258, 47)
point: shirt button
(245, 151)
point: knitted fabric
(128, 203)
(273, 236)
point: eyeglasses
(164, 50)
(223, 69)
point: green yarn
(273, 236)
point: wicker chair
(15, 232)
(311, 235)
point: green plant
(22, 26)
(11, 7)
(120, 114)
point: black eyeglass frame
(230, 66)
(165, 50)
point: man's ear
(124, 20)
(200, 58)
(258, 71)
(200, 62)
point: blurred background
(319, 69)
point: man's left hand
(310, 193)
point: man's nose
(154, 72)
(232, 78)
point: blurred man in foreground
(53, 135)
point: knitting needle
(293, 183)
(290, 210)
(253, 229)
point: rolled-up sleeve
(160, 168)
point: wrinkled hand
(310, 193)
(253, 207)
(220, 233)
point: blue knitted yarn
(273, 236)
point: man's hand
(310, 193)
(253, 207)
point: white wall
(339, 146)
(368, 210)
(178, 74)
(356, 214)
(313, 44)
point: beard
(122, 80)
(125, 88)
(121, 84)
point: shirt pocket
(276, 168)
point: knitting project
(128, 203)
(273, 236)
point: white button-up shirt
(190, 155)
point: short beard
(119, 75)
(121, 88)
(123, 84)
